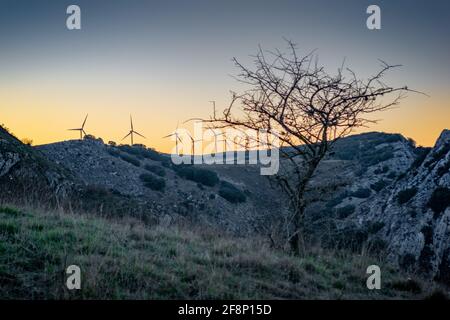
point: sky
(163, 61)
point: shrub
(381, 170)
(142, 152)
(206, 177)
(379, 185)
(156, 170)
(114, 152)
(392, 175)
(166, 163)
(375, 227)
(436, 295)
(230, 193)
(344, 212)
(337, 200)
(401, 176)
(351, 239)
(377, 245)
(362, 193)
(9, 210)
(376, 156)
(405, 195)
(444, 169)
(412, 213)
(439, 200)
(96, 198)
(131, 160)
(153, 182)
(408, 285)
(421, 154)
(152, 154)
(438, 155)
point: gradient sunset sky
(162, 61)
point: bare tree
(308, 109)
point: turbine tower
(177, 138)
(226, 142)
(215, 139)
(81, 129)
(132, 132)
(214, 107)
(193, 143)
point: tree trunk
(296, 241)
(299, 206)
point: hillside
(234, 197)
(27, 175)
(124, 259)
(375, 193)
(414, 214)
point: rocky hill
(28, 175)
(413, 213)
(374, 191)
(233, 197)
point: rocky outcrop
(415, 214)
(7, 161)
(27, 176)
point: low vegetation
(405, 195)
(361, 193)
(130, 159)
(230, 193)
(204, 176)
(344, 212)
(158, 170)
(124, 259)
(440, 200)
(438, 155)
(142, 152)
(379, 185)
(153, 182)
(421, 154)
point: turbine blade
(126, 136)
(168, 136)
(131, 121)
(139, 134)
(84, 122)
(74, 129)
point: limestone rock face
(26, 175)
(7, 161)
(415, 213)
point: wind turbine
(193, 143)
(132, 132)
(226, 142)
(177, 138)
(215, 139)
(81, 129)
(214, 107)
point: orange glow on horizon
(46, 118)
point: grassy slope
(125, 260)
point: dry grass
(124, 259)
